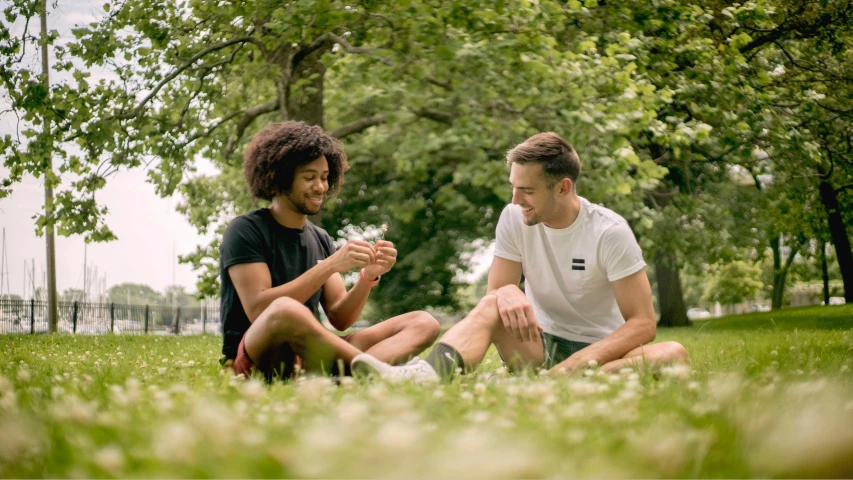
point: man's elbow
(646, 329)
(650, 328)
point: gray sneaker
(417, 370)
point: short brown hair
(558, 158)
(276, 151)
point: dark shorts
(244, 365)
(558, 349)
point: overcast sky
(148, 228)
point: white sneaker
(364, 365)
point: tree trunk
(838, 233)
(306, 102)
(776, 294)
(780, 272)
(824, 269)
(673, 312)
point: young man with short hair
(276, 268)
(586, 295)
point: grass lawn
(768, 395)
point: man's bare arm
(254, 282)
(514, 307)
(634, 297)
(254, 285)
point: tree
(72, 295)
(426, 89)
(177, 295)
(733, 283)
(137, 293)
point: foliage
(140, 294)
(733, 282)
(666, 102)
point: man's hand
(517, 313)
(355, 254)
(386, 257)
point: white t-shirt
(598, 248)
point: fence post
(74, 319)
(203, 319)
(178, 321)
(112, 317)
(32, 316)
(146, 319)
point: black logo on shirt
(578, 264)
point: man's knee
(426, 325)
(486, 310)
(675, 352)
(285, 313)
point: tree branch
(438, 83)
(219, 46)
(844, 187)
(328, 36)
(357, 126)
(436, 115)
(209, 129)
(249, 115)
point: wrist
(368, 278)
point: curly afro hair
(276, 151)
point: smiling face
(532, 191)
(310, 184)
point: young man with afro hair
(276, 267)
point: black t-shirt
(288, 253)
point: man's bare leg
(398, 339)
(287, 323)
(652, 356)
(482, 327)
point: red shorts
(243, 364)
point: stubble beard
(301, 206)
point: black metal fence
(30, 316)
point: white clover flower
(479, 416)
(8, 401)
(479, 388)
(6, 385)
(678, 371)
(19, 441)
(352, 412)
(254, 389)
(774, 353)
(397, 435)
(175, 443)
(111, 459)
